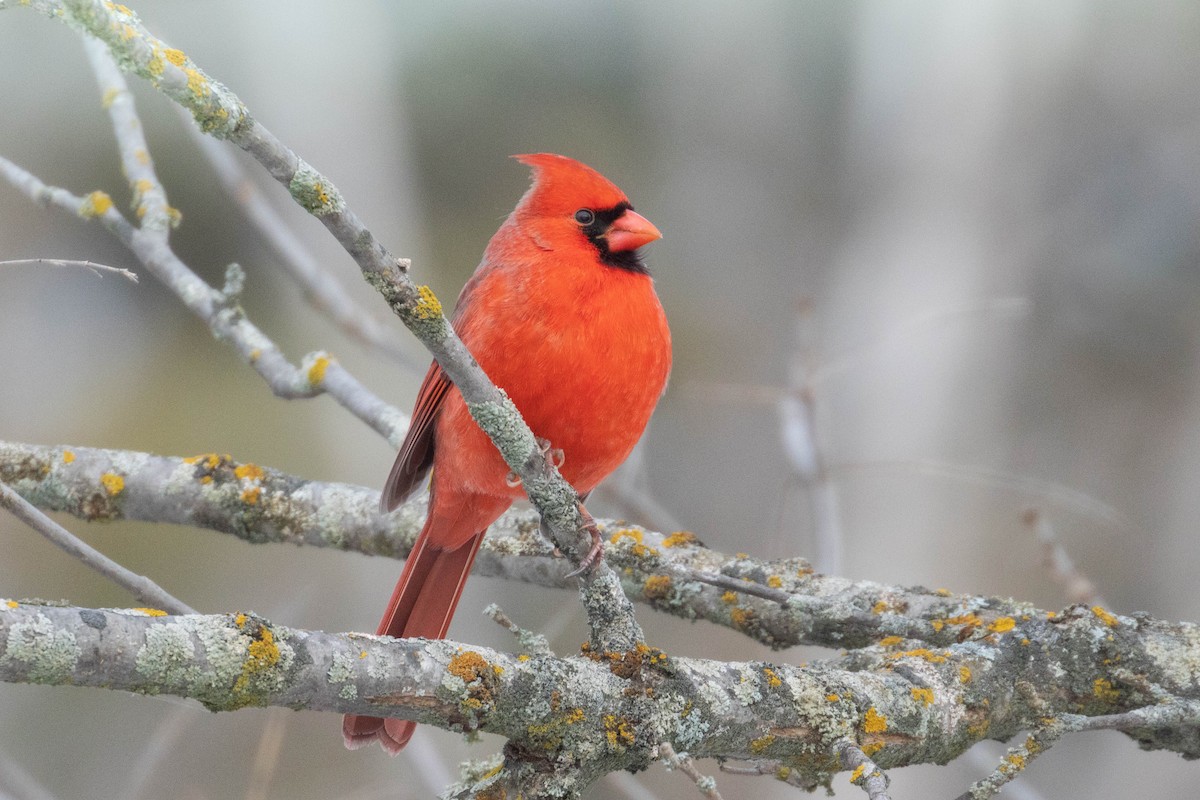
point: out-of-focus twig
(1058, 563)
(90, 266)
(141, 587)
(797, 409)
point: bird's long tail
(422, 605)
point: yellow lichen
(924, 695)
(68, 456)
(197, 83)
(155, 66)
(467, 665)
(773, 680)
(109, 96)
(857, 774)
(1104, 690)
(942, 592)
(740, 617)
(774, 581)
(871, 748)
(150, 612)
(964, 674)
(783, 773)
(891, 641)
(761, 743)
(1105, 617)
(523, 657)
(240, 620)
(928, 655)
(255, 355)
(657, 587)
(879, 607)
(176, 57)
(250, 496)
(113, 483)
(679, 538)
(618, 731)
(251, 472)
(95, 204)
(428, 306)
(12, 604)
(833, 698)
(874, 722)
(729, 598)
(362, 653)
(1002, 624)
(316, 373)
(261, 654)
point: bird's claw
(596, 551)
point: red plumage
(562, 316)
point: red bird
(562, 315)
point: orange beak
(630, 231)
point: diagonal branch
(140, 586)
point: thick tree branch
(569, 720)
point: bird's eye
(584, 216)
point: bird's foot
(596, 551)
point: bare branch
(91, 266)
(139, 586)
(1058, 563)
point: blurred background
(968, 230)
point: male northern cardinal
(562, 315)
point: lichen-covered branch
(779, 603)
(220, 310)
(569, 720)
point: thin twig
(318, 374)
(149, 196)
(266, 755)
(321, 288)
(797, 409)
(684, 763)
(776, 769)
(91, 266)
(865, 773)
(1058, 563)
(141, 587)
(532, 643)
(26, 786)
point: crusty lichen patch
(49, 655)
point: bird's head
(570, 204)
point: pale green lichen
(341, 670)
(746, 690)
(51, 654)
(168, 658)
(501, 421)
(314, 192)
